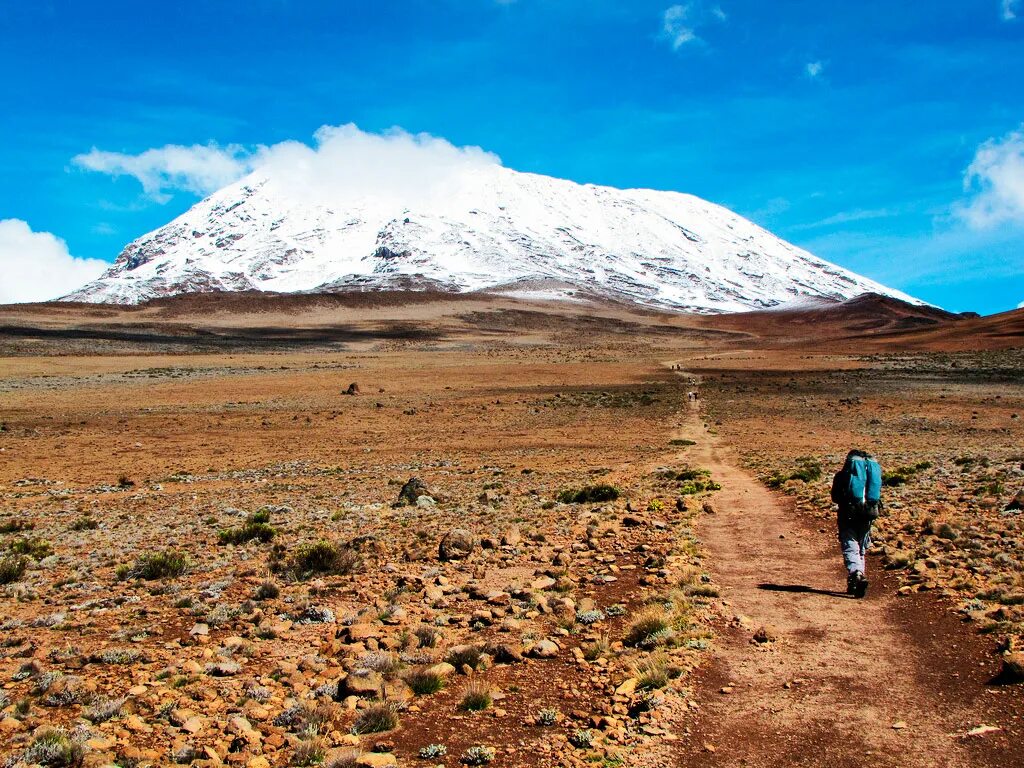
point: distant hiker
(856, 489)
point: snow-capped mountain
(488, 228)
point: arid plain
(518, 539)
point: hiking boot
(861, 586)
(851, 583)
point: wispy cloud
(847, 217)
(343, 161)
(199, 169)
(1008, 9)
(37, 265)
(994, 182)
(679, 23)
(814, 69)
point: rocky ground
(508, 537)
(238, 561)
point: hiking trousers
(854, 540)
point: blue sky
(846, 128)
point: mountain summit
(484, 228)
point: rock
(766, 634)
(377, 759)
(412, 490)
(199, 629)
(511, 537)
(425, 502)
(353, 389)
(505, 653)
(544, 649)
(1017, 502)
(632, 521)
(1013, 668)
(442, 668)
(457, 544)
(223, 668)
(365, 683)
(258, 762)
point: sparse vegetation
(478, 755)
(424, 681)
(589, 494)
(251, 531)
(324, 558)
(167, 564)
(376, 718)
(12, 568)
(648, 628)
(477, 697)
(54, 748)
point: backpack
(862, 490)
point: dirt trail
(848, 682)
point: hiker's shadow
(803, 588)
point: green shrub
(15, 525)
(34, 547)
(477, 697)
(246, 533)
(12, 568)
(316, 558)
(589, 494)
(647, 629)
(160, 565)
(84, 523)
(54, 748)
(376, 718)
(682, 442)
(424, 681)
(652, 673)
(259, 516)
(465, 655)
(478, 755)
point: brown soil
(212, 407)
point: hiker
(856, 489)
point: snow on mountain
(488, 227)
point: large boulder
(457, 544)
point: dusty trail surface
(884, 681)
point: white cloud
(995, 183)
(679, 22)
(814, 69)
(1021, 305)
(36, 266)
(1009, 9)
(198, 169)
(342, 162)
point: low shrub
(652, 672)
(477, 697)
(465, 655)
(12, 568)
(54, 748)
(433, 751)
(589, 494)
(376, 718)
(84, 523)
(34, 547)
(648, 628)
(424, 681)
(160, 565)
(316, 558)
(249, 532)
(478, 755)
